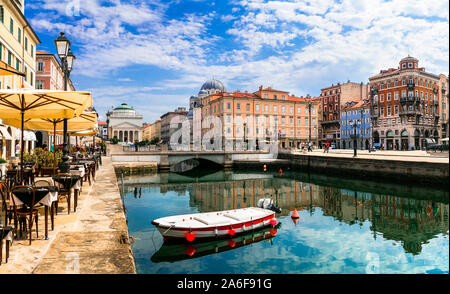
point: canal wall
(370, 168)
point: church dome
(124, 106)
(213, 85)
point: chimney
(260, 88)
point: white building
(125, 124)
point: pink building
(49, 76)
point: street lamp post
(309, 110)
(67, 58)
(355, 143)
(374, 93)
(245, 145)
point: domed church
(125, 124)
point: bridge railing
(146, 148)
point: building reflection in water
(411, 222)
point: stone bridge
(165, 159)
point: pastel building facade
(405, 106)
(356, 113)
(261, 116)
(334, 98)
(17, 49)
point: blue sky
(155, 54)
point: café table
(69, 183)
(43, 195)
(78, 170)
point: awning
(6, 70)
(429, 141)
(4, 133)
(445, 140)
(27, 135)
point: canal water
(345, 225)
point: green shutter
(9, 58)
(11, 27)
(19, 35)
(31, 50)
(26, 44)
(17, 64)
(31, 78)
(26, 73)
(1, 51)
(2, 14)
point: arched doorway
(416, 140)
(376, 137)
(404, 140)
(38, 139)
(389, 140)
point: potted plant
(3, 164)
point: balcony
(374, 114)
(408, 112)
(410, 86)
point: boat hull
(179, 232)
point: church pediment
(126, 125)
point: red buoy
(231, 232)
(295, 214)
(273, 232)
(190, 237)
(273, 221)
(231, 243)
(295, 220)
(190, 250)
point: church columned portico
(125, 124)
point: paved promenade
(416, 156)
(86, 242)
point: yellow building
(17, 49)
(155, 130)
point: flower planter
(46, 171)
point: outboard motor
(267, 203)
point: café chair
(26, 214)
(65, 191)
(6, 205)
(5, 236)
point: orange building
(264, 114)
(405, 106)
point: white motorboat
(218, 224)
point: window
(404, 65)
(248, 106)
(17, 64)
(381, 86)
(298, 121)
(410, 65)
(266, 108)
(291, 109)
(396, 109)
(2, 14)
(228, 118)
(283, 108)
(382, 98)
(283, 97)
(396, 83)
(403, 82)
(19, 35)
(274, 108)
(388, 97)
(275, 97)
(31, 50)
(228, 104)
(11, 26)
(26, 44)
(389, 110)
(238, 106)
(396, 96)
(9, 58)
(298, 110)
(291, 120)
(403, 93)
(389, 84)
(39, 84)
(26, 73)
(1, 51)
(266, 95)
(257, 107)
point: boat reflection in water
(177, 251)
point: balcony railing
(146, 148)
(410, 112)
(410, 85)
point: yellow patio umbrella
(86, 121)
(29, 103)
(7, 70)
